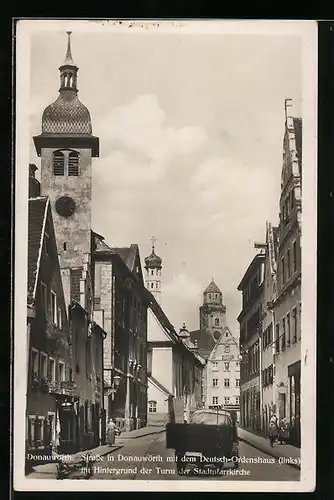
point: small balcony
(65, 387)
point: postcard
(165, 255)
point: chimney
(34, 184)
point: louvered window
(58, 163)
(73, 164)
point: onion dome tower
(153, 267)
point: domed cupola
(67, 118)
(153, 261)
(183, 333)
(67, 115)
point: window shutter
(58, 163)
(73, 164)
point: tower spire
(68, 58)
(68, 70)
(153, 240)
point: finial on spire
(68, 57)
(153, 239)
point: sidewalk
(143, 431)
(283, 451)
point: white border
(307, 30)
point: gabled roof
(129, 255)
(38, 211)
(258, 259)
(205, 341)
(159, 386)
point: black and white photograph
(165, 255)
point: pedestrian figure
(273, 430)
(283, 431)
(111, 431)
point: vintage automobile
(210, 439)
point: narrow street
(155, 462)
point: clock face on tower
(65, 206)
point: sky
(191, 129)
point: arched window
(58, 163)
(73, 163)
(216, 321)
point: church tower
(213, 311)
(66, 147)
(153, 267)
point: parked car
(210, 439)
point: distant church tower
(66, 147)
(153, 267)
(213, 311)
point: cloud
(141, 127)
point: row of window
(50, 308)
(151, 285)
(289, 264)
(37, 429)
(153, 272)
(226, 366)
(287, 206)
(226, 382)
(227, 400)
(45, 367)
(289, 333)
(253, 286)
(268, 376)
(66, 162)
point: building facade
(223, 374)
(50, 380)
(120, 299)
(287, 306)
(268, 327)
(250, 320)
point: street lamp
(115, 385)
